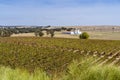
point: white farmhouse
(75, 32)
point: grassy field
(60, 58)
(109, 35)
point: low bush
(84, 35)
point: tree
(113, 29)
(47, 32)
(63, 28)
(84, 35)
(5, 33)
(69, 29)
(52, 33)
(39, 33)
(36, 33)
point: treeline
(8, 31)
(5, 33)
(39, 32)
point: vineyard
(55, 54)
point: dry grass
(93, 35)
(105, 35)
(23, 35)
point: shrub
(84, 35)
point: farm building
(73, 32)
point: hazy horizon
(59, 12)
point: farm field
(54, 55)
(108, 35)
(48, 50)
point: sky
(60, 12)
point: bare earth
(93, 35)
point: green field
(54, 55)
